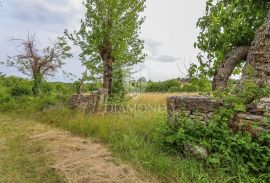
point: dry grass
(155, 98)
(81, 160)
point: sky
(169, 33)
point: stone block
(191, 106)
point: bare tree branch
(31, 60)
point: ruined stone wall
(200, 107)
(191, 106)
(254, 121)
(88, 103)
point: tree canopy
(109, 36)
(227, 24)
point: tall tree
(109, 37)
(227, 31)
(39, 64)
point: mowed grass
(20, 161)
(131, 137)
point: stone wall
(254, 121)
(191, 106)
(88, 103)
(200, 107)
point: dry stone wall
(254, 120)
(191, 106)
(88, 103)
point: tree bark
(258, 60)
(107, 58)
(225, 70)
(259, 55)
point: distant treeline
(16, 86)
(173, 85)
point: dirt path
(79, 160)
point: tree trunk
(37, 79)
(107, 58)
(80, 89)
(258, 60)
(107, 78)
(225, 70)
(259, 55)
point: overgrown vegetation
(240, 153)
(226, 26)
(174, 85)
(110, 45)
(145, 140)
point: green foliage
(174, 85)
(234, 157)
(235, 152)
(110, 31)
(198, 80)
(226, 25)
(16, 94)
(14, 86)
(118, 91)
(20, 90)
(37, 80)
(239, 153)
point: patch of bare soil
(81, 160)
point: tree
(39, 64)
(227, 31)
(259, 55)
(109, 38)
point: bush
(20, 90)
(237, 152)
(163, 86)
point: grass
(155, 98)
(20, 161)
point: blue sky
(169, 33)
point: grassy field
(131, 136)
(20, 161)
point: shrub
(236, 152)
(227, 149)
(173, 85)
(163, 86)
(175, 89)
(20, 90)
